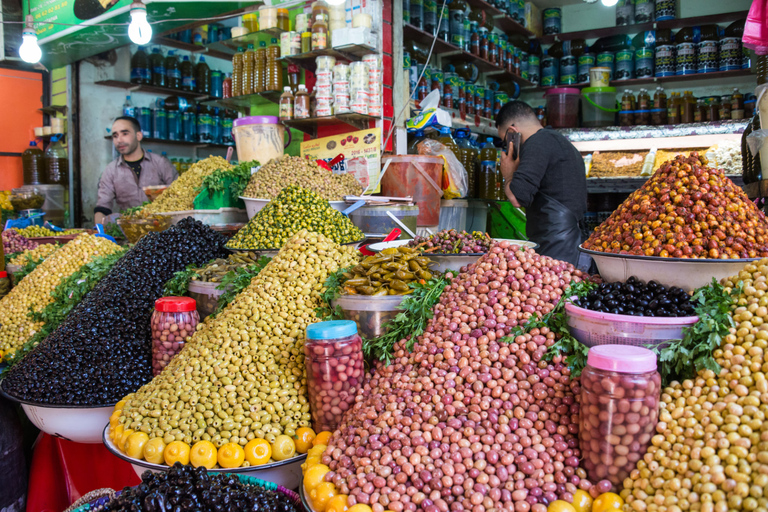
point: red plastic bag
(756, 29)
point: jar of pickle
(283, 20)
(335, 370)
(173, 323)
(619, 408)
(267, 17)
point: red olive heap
(468, 421)
(685, 210)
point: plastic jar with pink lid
(335, 370)
(173, 323)
(619, 409)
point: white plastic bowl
(80, 424)
(254, 205)
(220, 217)
(593, 328)
(371, 314)
(687, 274)
(286, 473)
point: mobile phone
(512, 139)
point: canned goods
(568, 70)
(550, 71)
(324, 75)
(707, 61)
(340, 72)
(643, 63)
(302, 23)
(586, 62)
(534, 69)
(552, 21)
(341, 87)
(406, 60)
(605, 60)
(524, 70)
(323, 89)
(730, 53)
(665, 60)
(665, 9)
(325, 62)
(625, 65)
(325, 111)
(685, 59)
(498, 101)
(373, 61)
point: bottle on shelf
(673, 108)
(457, 11)
(187, 75)
(660, 114)
(474, 42)
(226, 86)
(417, 13)
(159, 120)
(301, 104)
(320, 35)
(141, 72)
(128, 108)
(204, 123)
(415, 138)
(286, 104)
(714, 109)
(688, 111)
(202, 77)
(172, 71)
(237, 72)
(725, 107)
(260, 67)
(486, 182)
(643, 112)
(294, 76)
(144, 116)
(157, 63)
(57, 163)
(247, 84)
(737, 104)
(273, 77)
(467, 155)
(33, 165)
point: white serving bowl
(77, 423)
(286, 473)
(254, 205)
(443, 262)
(687, 274)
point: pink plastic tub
(563, 107)
(594, 328)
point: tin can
(730, 53)
(568, 70)
(685, 59)
(605, 60)
(625, 65)
(550, 71)
(708, 57)
(643, 63)
(479, 100)
(664, 60)
(469, 98)
(552, 21)
(438, 81)
(586, 62)
(525, 73)
(534, 69)
(499, 99)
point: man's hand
(508, 165)
(98, 218)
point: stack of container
(375, 79)
(324, 85)
(340, 88)
(358, 87)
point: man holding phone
(546, 176)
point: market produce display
(636, 298)
(26, 201)
(727, 155)
(14, 242)
(293, 210)
(685, 210)
(239, 382)
(283, 172)
(710, 451)
(39, 231)
(187, 488)
(387, 273)
(467, 421)
(111, 324)
(41, 252)
(216, 270)
(451, 241)
(180, 195)
(612, 164)
(5, 200)
(33, 292)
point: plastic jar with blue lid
(335, 370)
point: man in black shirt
(548, 179)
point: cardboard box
(533, 19)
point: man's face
(124, 137)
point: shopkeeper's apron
(555, 228)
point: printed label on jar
(375, 75)
(319, 41)
(300, 112)
(323, 90)
(586, 62)
(360, 108)
(341, 98)
(549, 71)
(324, 75)
(730, 53)
(341, 109)
(552, 21)
(625, 66)
(707, 61)
(341, 88)
(375, 99)
(685, 60)
(643, 11)
(665, 10)
(323, 111)
(286, 111)
(643, 63)
(665, 60)
(568, 70)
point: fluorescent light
(610, 3)
(29, 51)
(139, 29)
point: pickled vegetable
(387, 273)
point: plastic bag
(755, 141)
(455, 181)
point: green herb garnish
(325, 311)
(239, 175)
(683, 359)
(238, 280)
(178, 285)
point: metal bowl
(273, 252)
(286, 472)
(254, 205)
(77, 423)
(687, 274)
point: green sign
(81, 33)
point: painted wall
(21, 92)
(99, 105)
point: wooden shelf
(500, 19)
(634, 29)
(128, 86)
(686, 141)
(349, 53)
(456, 54)
(245, 102)
(229, 47)
(192, 48)
(737, 73)
(310, 125)
(53, 110)
(180, 143)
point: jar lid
(590, 90)
(332, 330)
(622, 359)
(175, 304)
(563, 90)
(3, 274)
(282, 10)
(242, 121)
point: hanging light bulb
(336, 2)
(610, 3)
(139, 30)
(29, 51)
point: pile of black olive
(636, 298)
(102, 350)
(187, 489)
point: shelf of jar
(641, 27)
(246, 101)
(192, 48)
(736, 73)
(501, 19)
(456, 54)
(186, 143)
(153, 89)
(52, 110)
(683, 142)
(310, 124)
(475, 123)
(350, 53)
(229, 46)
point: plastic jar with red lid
(173, 323)
(619, 409)
(335, 370)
